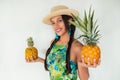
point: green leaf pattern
(56, 62)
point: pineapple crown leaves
(30, 41)
(87, 26)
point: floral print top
(56, 62)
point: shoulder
(77, 46)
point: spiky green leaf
(85, 18)
(88, 26)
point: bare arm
(83, 71)
(40, 60)
(83, 67)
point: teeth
(58, 30)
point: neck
(64, 39)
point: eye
(60, 20)
(52, 23)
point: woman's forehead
(56, 17)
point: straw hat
(59, 10)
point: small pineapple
(90, 37)
(31, 52)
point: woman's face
(58, 25)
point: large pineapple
(90, 37)
(31, 52)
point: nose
(56, 25)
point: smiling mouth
(58, 30)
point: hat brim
(46, 19)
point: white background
(20, 19)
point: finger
(27, 60)
(94, 65)
(82, 58)
(86, 65)
(99, 61)
(83, 64)
(32, 60)
(88, 59)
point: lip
(58, 30)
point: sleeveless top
(56, 63)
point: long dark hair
(65, 18)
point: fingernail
(82, 56)
(88, 59)
(94, 60)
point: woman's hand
(36, 60)
(82, 63)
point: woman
(62, 57)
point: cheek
(64, 29)
(63, 26)
(61, 23)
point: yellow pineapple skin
(31, 53)
(92, 52)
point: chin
(59, 34)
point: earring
(56, 36)
(69, 32)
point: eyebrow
(57, 19)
